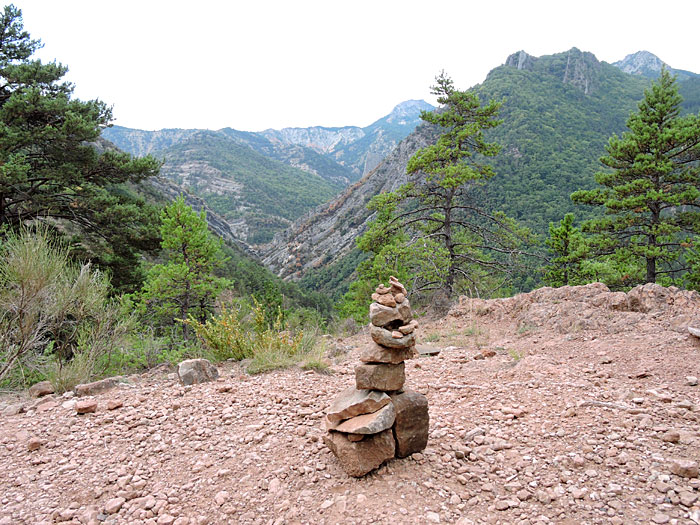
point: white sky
(259, 64)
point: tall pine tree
(651, 196)
(50, 167)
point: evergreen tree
(450, 237)
(50, 169)
(568, 248)
(651, 196)
(185, 285)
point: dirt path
(561, 425)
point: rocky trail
(574, 405)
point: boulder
(412, 421)
(375, 353)
(381, 315)
(385, 377)
(90, 389)
(366, 423)
(383, 337)
(195, 371)
(42, 388)
(357, 458)
(352, 402)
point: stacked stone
(377, 419)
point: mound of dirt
(566, 422)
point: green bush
(268, 345)
(56, 317)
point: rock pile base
(377, 419)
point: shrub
(56, 317)
(269, 346)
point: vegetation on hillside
(651, 190)
(265, 193)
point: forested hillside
(254, 193)
(558, 113)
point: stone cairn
(377, 419)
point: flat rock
(382, 315)
(385, 377)
(424, 350)
(42, 388)
(408, 328)
(375, 353)
(90, 389)
(86, 406)
(396, 286)
(352, 402)
(366, 423)
(360, 457)
(412, 422)
(113, 505)
(196, 371)
(383, 337)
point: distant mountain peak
(641, 63)
(646, 64)
(580, 69)
(408, 110)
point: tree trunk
(449, 244)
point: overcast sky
(260, 64)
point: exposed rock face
(646, 64)
(521, 60)
(357, 428)
(330, 231)
(195, 371)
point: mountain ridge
(559, 113)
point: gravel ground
(536, 417)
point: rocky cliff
(646, 64)
(329, 232)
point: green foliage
(185, 285)
(268, 193)
(55, 316)
(234, 335)
(569, 252)
(50, 169)
(651, 195)
(433, 228)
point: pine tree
(185, 285)
(452, 242)
(568, 248)
(50, 168)
(651, 196)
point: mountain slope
(255, 194)
(358, 149)
(559, 112)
